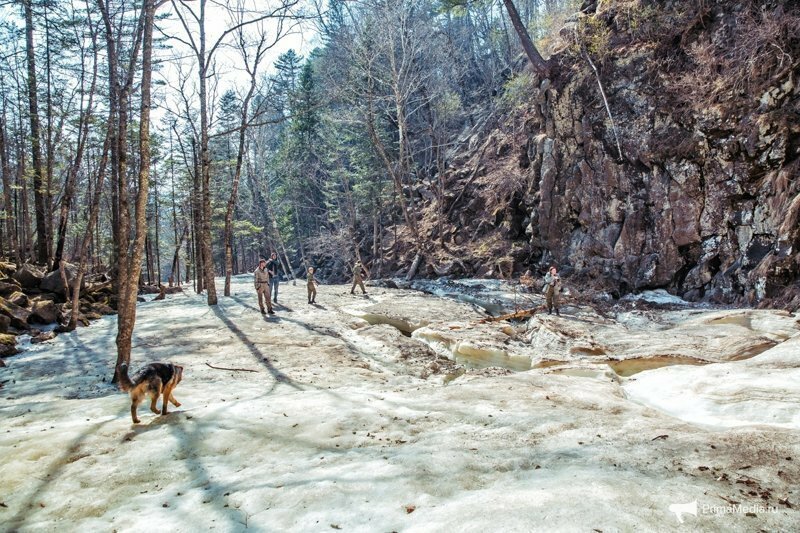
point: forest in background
(316, 157)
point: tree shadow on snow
(55, 374)
(53, 472)
(313, 328)
(215, 493)
(279, 376)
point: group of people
(267, 278)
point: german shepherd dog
(156, 379)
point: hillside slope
(700, 193)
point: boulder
(102, 308)
(43, 312)
(8, 285)
(5, 323)
(53, 281)
(29, 276)
(98, 289)
(8, 345)
(18, 315)
(148, 289)
(7, 269)
(43, 336)
(64, 311)
(18, 298)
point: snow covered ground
(349, 424)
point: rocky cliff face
(698, 190)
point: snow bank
(336, 429)
(657, 296)
(763, 390)
(477, 345)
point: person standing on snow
(312, 286)
(261, 281)
(274, 267)
(552, 286)
(358, 276)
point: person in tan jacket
(312, 286)
(261, 281)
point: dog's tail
(125, 382)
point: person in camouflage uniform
(261, 282)
(358, 277)
(552, 286)
(312, 286)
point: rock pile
(31, 298)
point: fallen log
(524, 313)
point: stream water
(495, 297)
(498, 297)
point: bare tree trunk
(537, 61)
(377, 248)
(50, 144)
(176, 258)
(158, 222)
(300, 239)
(36, 148)
(72, 177)
(176, 265)
(94, 211)
(5, 170)
(63, 273)
(414, 266)
(397, 179)
(253, 71)
(148, 258)
(205, 166)
(22, 183)
(127, 312)
(197, 212)
(605, 101)
(118, 97)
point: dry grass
(752, 51)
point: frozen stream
(345, 423)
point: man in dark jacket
(274, 269)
